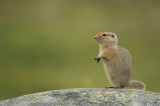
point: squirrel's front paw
(97, 59)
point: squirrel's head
(106, 38)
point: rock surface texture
(87, 97)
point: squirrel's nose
(95, 38)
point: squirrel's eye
(112, 35)
(104, 34)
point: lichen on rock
(87, 97)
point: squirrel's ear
(112, 36)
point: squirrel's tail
(137, 84)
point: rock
(87, 97)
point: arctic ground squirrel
(117, 61)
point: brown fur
(117, 61)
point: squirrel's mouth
(97, 40)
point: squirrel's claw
(97, 59)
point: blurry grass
(47, 45)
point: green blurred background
(49, 44)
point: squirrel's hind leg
(113, 87)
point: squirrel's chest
(108, 55)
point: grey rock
(87, 97)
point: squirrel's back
(119, 67)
